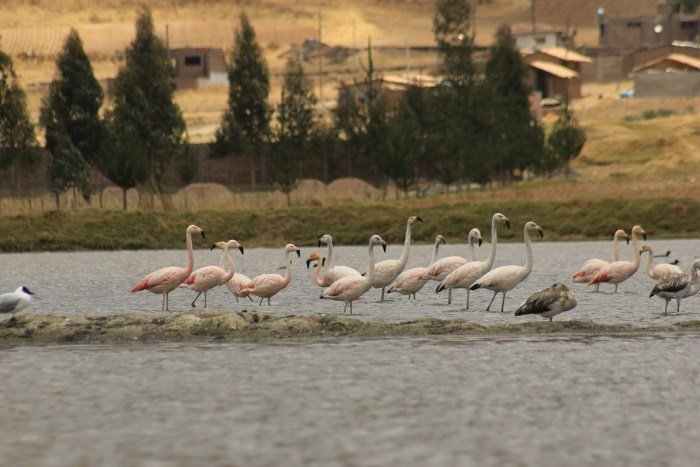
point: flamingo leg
(666, 307)
(488, 308)
(382, 295)
(195, 299)
(449, 296)
(236, 299)
(345, 307)
(467, 300)
(616, 288)
(162, 304)
(250, 298)
(350, 307)
(261, 299)
(503, 302)
(167, 302)
(597, 287)
(268, 301)
(678, 305)
(205, 299)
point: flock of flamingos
(345, 284)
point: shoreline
(246, 326)
(93, 230)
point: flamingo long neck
(637, 254)
(190, 254)
(494, 242)
(650, 265)
(406, 246)
(229, 261)
(370, 271)
(317, 273)
(330, 257)
(435, 251)
(472, 250)
(528, 249)
(616, 249)
(288, 274)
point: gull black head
(27, 291)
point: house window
(689, 25)
(634, 24)
(540, 40)
(193, 60)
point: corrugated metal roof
(682, 59)
(555, 69)
(568, 55)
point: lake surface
(99, 282)
(398, 401)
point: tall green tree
(18, 146)
(567, 138)
(246, 124)
(144, 105)
(403, 148)
(70, 116)
(451, 26)
(515, 137)
(295, 118)
(124, 161)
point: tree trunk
(252, 173)
(124, 198)
(75, 201)
(58, 201)
(289, 198)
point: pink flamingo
(593, 266)
(333, 273)
(660, 270)
(164, 281)
(209, 277)
(620, 271)
(348, 289)
(320, 281)
(412, 280)
(267, 285)
(234, 284)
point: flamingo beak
(308, 262)
(298, 252)
(628, 240)
(241, 249)
(319, 243)
(480, 240)
(203, 236)
(384, 247)
(212, 246)
(508, 223)
(541, 231)
(323, 262)
(644, 235)
(419, 218)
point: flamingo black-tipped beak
(308, 262)
(240, 248)
(299, 253)
(212, 246)
(508, 223)
(480, 240)
(644, 235)
(384, 247)
(419, 218)
(319, 243)
(541, 231)
(628, 240)
(323, 262)
(203, 236)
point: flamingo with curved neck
(593, 266)
(333, 273)
(268, 285)
(208, 277)
(387, 271)
(660, 270)
(349, 289)
(164, 281)
(412, 280)
(620, 271)
(443, 267)
(320, 262)
(464, 276)
(506, 278)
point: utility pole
(408, 60)
(320, 60)
(354, 47)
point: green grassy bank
(349, 224)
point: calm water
(400, 401)
(100, 282)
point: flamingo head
(534, 227)
(501, 219)
(619, 233)
(439, 240)
(646, 249)
(475, 236)
(220, 245)
(413, 219)
(235, 244)
(315, 256)
(193, 229)
(638, 230)
(377, 240)
(291, 249)
(325, 240)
